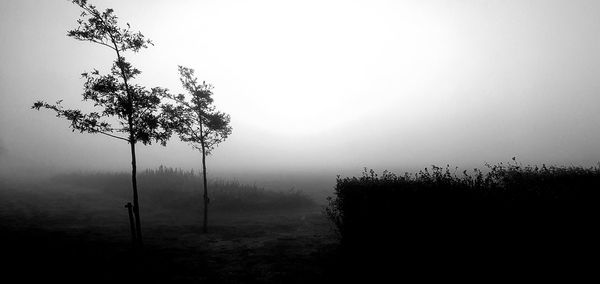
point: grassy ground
(260, 249)
(67, 234)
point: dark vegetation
(507, 219)
(181, 191)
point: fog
(316, 90)
(321, 87)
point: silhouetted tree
(135, 109)
(197, 122)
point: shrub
(508, 210)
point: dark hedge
(509, 214)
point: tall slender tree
(198, 122)
(127, 111)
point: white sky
(330, 86)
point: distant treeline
(523, 213)
(177, 189)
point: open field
(72, 235)
(265, 249)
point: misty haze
(298, 141)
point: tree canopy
(136, 108)
(196, 119)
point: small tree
(197, 122)
(125, 108)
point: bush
(509, 210)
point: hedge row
(507, 210)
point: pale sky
(322, 86)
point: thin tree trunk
(136, 204)
(206, 200)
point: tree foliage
(136, 108)
(195, 119)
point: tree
(128, 112)
(197, 122)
